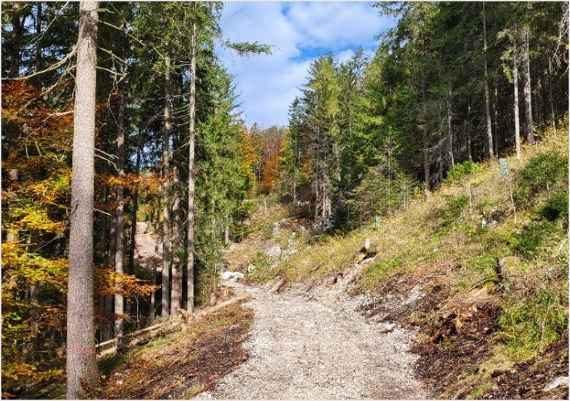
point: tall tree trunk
(486, 87)
(449, 127)
(191, 184)
(120, 225)
(39, 59)
(469, 152)
(539, 101)
(166, 189)
(425, 141)
(550, 96)
(81, 365)
(496, 114)
(176, 297)
(516, 102)
(527, 88)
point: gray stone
(557, 382)
(232, 276)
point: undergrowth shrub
(451, 213)
(556, 206)
(462, 170)
(528, 326)
(543, 172)
(528, 242)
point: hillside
(484, 260)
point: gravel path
(304, 347)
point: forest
(121, 124)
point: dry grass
(183, 364)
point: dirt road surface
(306, 347)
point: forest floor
(182, 364)
(309, 346)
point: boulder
(232, 276)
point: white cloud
(267, 84)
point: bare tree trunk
(39, 59)
(166, 189)
(191, 184)
(527, 88)
(496, 116)
(425, 141)
(550, 97)
(469, 152)
(119, 225)
(81, 366)
(516, 103)
(539, 101)
(486, 87)
(449, 128)
(176, 296)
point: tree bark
(175, 226)
(527, 88)
(191, 184)
(486, 87)
(166, 186)
(81, 366)
(516, 103)
(449, 128)
(120, 225)
(550, 96)
(496, 115)
(469, 152)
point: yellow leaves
(109, 282)
(52, 188)
(33, 269)
(21, 372)
(146, 182)
(34, 218)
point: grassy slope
(440, 244)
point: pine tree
(81, 365)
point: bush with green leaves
(528, 242)
(544, 172)
(528, 326)
(462, 170)
(451, 213)
(556, 206)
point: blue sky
(298, 33)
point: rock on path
(304, 348)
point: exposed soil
(456, 336)
(528, 380)
(181, 365)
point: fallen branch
(109, 347)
